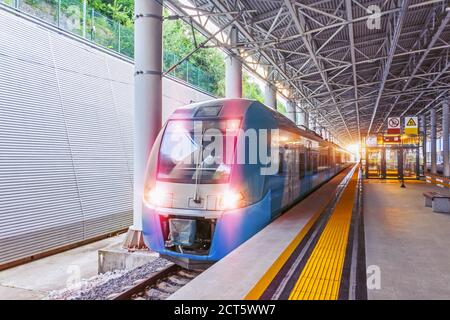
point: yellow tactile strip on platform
(257, 291)
(321, 276)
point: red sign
(391, 139)
(393, 125)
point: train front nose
(177, 224)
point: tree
(118, 10)
(178, 40)
(281, 107)
(251, 90)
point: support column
(445, 141)
(423, 125)
(319, 130)
(314, 124)
(433, 140)
(270, 96)
(147, 102)
(290, 110)
(303, 119)
(307, 120)
(233, 71)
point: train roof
(228, 108)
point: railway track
(159, 285)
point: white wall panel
(65, 138)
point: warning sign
(411, 125)
(394, 125)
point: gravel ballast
(103, 286)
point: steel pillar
(290, 111)
(433, 140)
(270, 96)
(445, 138)
(423, 125)
(314, 124)
(233, 71)
(303, 119)
(147, 102)
(307, 120)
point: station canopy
(351, 63)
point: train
(221, 170)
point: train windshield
(200, 151)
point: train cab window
(186, 156)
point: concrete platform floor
(407, 242)
(36, 279)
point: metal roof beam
(248, 36)
(348, 6)
(301, 29)
(392, 46)
(427, 31)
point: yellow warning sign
(411, 125)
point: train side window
(308, 161)
(314, 163)
(301, 164)
(280, 162)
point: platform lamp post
(147, 103)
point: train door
(296, 174)
(302, 170)
(309, 170)
(292, 175)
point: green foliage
(118, 10)
(251, 90)
(281, 107)
(178, 39)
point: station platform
(405, 241)
(399, 251)
(290, 258)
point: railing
(77, 17)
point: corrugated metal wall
(65, 139)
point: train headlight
(157, 198)
(231, 200)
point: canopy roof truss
(352, 63)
